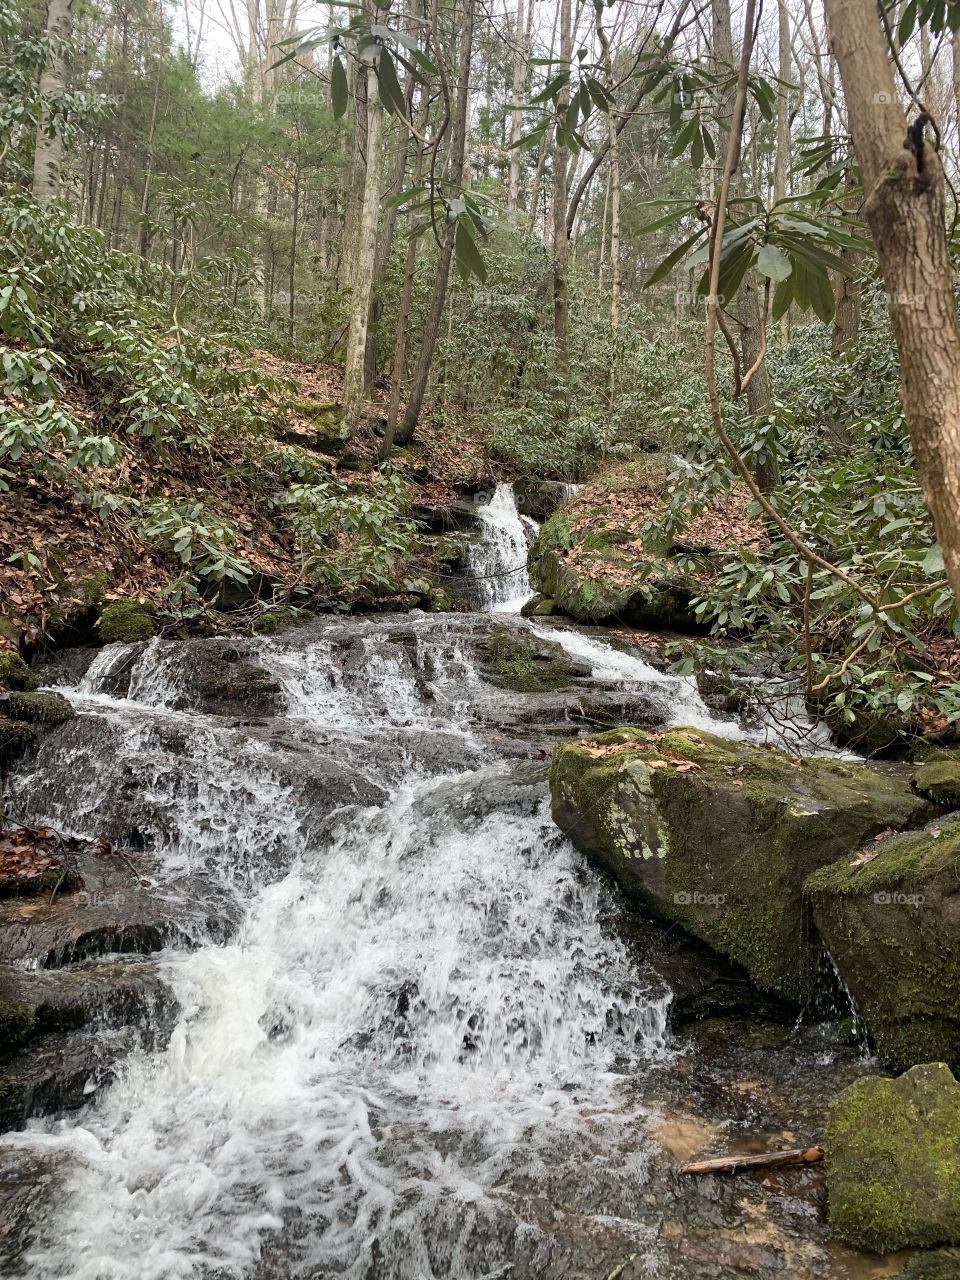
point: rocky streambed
(337, 995)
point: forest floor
(58, 555)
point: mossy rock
(892, 926)
(517, 660)
(44, 709)
(15, 674)
(539, 607)
(15, 737)
(125, 622)
(940, 1264)
(281, 619)
(16, 1024)
(452, 554)
(719, 836)
(939, 780)
(893, 1161)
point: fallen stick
(765, 1160)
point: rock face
(719, 836)
(939, 780)
(893, 1161)
(891, 919)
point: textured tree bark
(520, 47)
(364, 262)
(561, 242)
(48, 150)
(904, 208)
(431, 329)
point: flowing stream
(418, 1054)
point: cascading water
(499, 558)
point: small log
(765, 1160)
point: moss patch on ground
(893, 1161)
(719, 836)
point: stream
(416, 1035)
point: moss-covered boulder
(893, 1161)
(16, 1024)
(890, 916)
(939, 780)
(15, 737)
(593, 559)
(515, 659)
(539, 606)
(44, 709)
(15, 674)
(126, 622)
(719, 836)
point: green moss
(93, 590)
(124, 621)
(14, 672)
(719, 836)
(939, 780)
(514, 660)
(16, 1024)
(45, 709)
(280, 619)
(892, 927)
(941, 1264)
(10, 632)
(893, 1161)
(15, 736)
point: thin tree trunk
(516, 115)
(49, 151)
(431, 329)
(782, 161)
(561, 242)
(364, 261)
(905, 211)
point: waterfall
(499, 558)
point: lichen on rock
(893, 1161)
(719, 836)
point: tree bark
(904, 207)
(516, 115)
(49, 150)
(431, 328)
(561, 241)
(364, 261)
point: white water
(499, 558)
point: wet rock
(516, 659)
(539, 606)
(939, 780)
(539, 499)
(109, 992)
(16, 737)
(120, 909)
(44, 709)
(890, 916)
(893, 1161)
(719, 836)
(218, 677)
(15, 674)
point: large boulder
(593, 560)
(893, 1161)
(890, 916)
(719, 836)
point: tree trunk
(516, 115)
(48, 152)
(561, 242)
(751, 316)
(364, 261)
(905, 211)
(782, 162)
(431, 328)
